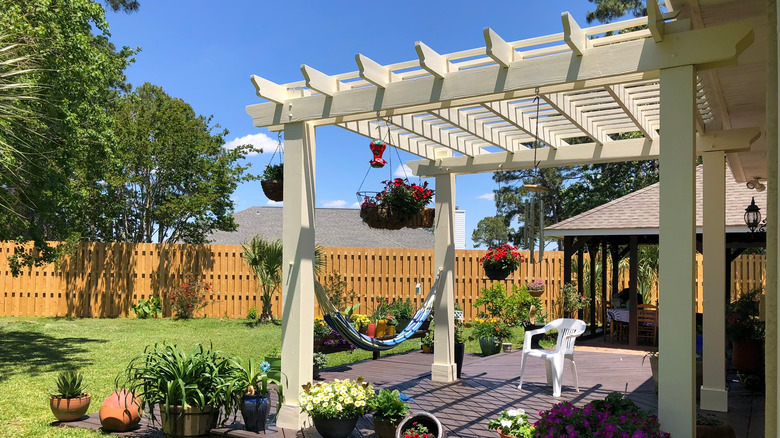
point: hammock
(340, 323)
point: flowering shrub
(536, 285)
(613, 417)
(491, 328)
(391, 321)
(361, 321)
(742, 320)
(190, 296)
(417, 430)
(321, 328)
(513, 422)
(504, 258)
(335, 341)
(338, 399)
(570, 300)
(398, 194)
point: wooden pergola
(473, 111)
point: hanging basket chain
(277, 150)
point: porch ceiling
(483, 109)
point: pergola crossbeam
(498, 49)
(632, 110)
(431, 61)
(575, 38)
(397, 138)
(524, 122)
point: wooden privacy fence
(104, 279)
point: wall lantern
(753, 217)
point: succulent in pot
(192, 388)
(69, 401)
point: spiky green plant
(69, 384)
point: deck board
(489, 386)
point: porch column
(677, 248)
(443, 368)
(772, 409)
(297, 270)
(714, 396)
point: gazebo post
(633, 280)
(677, 248)
(592, 250)
(714, 396)
(443, 368)
(603, 285)
(297, 270)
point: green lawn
(33, 350)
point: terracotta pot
(273, 190)
(427, 349)
(502, 435)
(120, 411)
(190, 422)
(747, 355)
(70, 409)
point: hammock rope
(340, 323)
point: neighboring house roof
(637, 213)
(333, 227)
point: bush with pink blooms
(190, 297)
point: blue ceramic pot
(335, 427)
(488, 346)
(254, 410)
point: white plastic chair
(568, 331)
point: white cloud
(402, 171)
(260, 141)
(274, 203)
(489, 196)
(339, 203)
(355, 205)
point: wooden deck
(489, 386)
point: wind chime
(533, 232)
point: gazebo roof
(637, 213)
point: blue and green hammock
(340, 323)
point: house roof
(637, 213)
(334, 227)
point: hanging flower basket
(497, 274)
(423, 219)
(499, 262)
(382, 218)
(274, 190)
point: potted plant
(570, 300)
(499, 262)
(335, 407)
(708, 426)
(598, 418)
(389, 410)
(392, 322)
(491, 333)
(427, 343)
(400, 204)
(192, 389)
(320, 362)
(422, 425)
(746, 333)
(361, 322)
(272, 181)
(512, 423)
(536, 288)
(460, 347)
(249, 381)
(403, 311)
(68, 401)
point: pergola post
(443, 368)
(714, 396)
(297, 270)
(677, 247)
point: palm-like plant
(264, 258)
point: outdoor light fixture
(755, 184)
(753, 217)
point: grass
(33, 350)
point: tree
(127, 6)
(171, 180)
(492, 231)
(264, 258)
(601, 183)
(66, 131)
(609, 10)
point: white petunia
(360, 403)
(338, 407)
(506, 424)
(309, 407)
(514, 412)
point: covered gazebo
(473, 111)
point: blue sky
(205, 51)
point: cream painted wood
(633, 111)
(607, 65)
(573, 35)
(677, 247)
(731, 140)
(772, 341)
(399, 138)
(319, 81)
(482, 125)
(443, 368)
(374, 72)
(522, 118)
(498, 49)
(655, 20)
(430, 61)
(298, 271)
(714, 396)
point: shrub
(570, 300)
(512, 309)
(335, 287)
(742, 320)
(190, 296)
(402, 309)
(491, 328)
(147, 308)
(252, 314)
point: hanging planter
(273, 182)
(536, 288)
(499, 262)
(399, 205)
